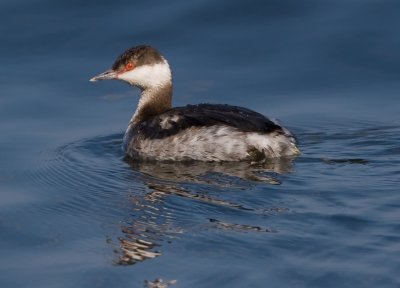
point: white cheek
(148, 76)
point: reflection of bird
(152, 223)
(159, 283)
(214, 173)
(202, 132)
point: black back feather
(202, 115)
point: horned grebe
(206, 132)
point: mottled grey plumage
(207, 132)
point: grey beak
(107, 75)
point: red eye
(129, 66)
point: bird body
(204, 132)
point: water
(74, 212)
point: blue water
(74, 212)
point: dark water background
(75, 213)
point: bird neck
(153, 101)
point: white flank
(215, 143)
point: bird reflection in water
(152, 223)
(203, 172)
(159, 283)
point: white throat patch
(148, 76)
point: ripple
(362, 143)
(345, 161)
(149, 203)
(238, 227)
(85, 173)
(146, 205)
(235, 209)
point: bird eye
(129, 66)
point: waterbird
(203, 132)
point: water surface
(75, 212)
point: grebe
(205, 132)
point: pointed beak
(107, 75)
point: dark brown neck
(153, 101)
